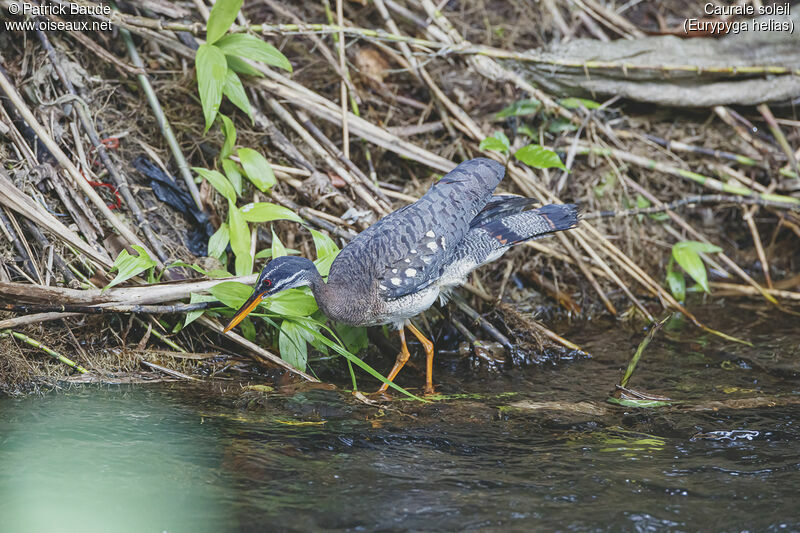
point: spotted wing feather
(408, 249)
(520, 227)
(499, 206)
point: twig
(357, 187)
(462, 304)
(15, 239)
(161, 118)
(343, 90)
(727, 260)
(66, 163)
(169, 371)
(775, 128)
(640, 350)
(36, 344)
(119, 180)
(746, 290)
(13, 198)
(93, 310)
(706, 181)
(258, 352)
(690, 201)
(137, 23)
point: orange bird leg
(428, 345)
(402, 357)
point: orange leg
(402, 357)
(428, 345)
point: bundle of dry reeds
(382, 97)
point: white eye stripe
(288, 281)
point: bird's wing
(528, 225)
(408, 249)
(499, 206)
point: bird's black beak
(245, 309)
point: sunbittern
(396, 268)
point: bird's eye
(267, 283)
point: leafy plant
(294, 312)
(520, 108)
(687, 255)
(128, 266)
(574, 103)
(498, 142)
(533, 155)
(222, 56)
(537, 156)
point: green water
(518, 453)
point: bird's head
(281, 273)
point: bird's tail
(533, 224)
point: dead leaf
(371, 64)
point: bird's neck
(318, 287)
(333, 300)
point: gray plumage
(396, 268)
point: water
(531, 448)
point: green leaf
(359, 363)
(211, 70)
(633, 402)
(528, 131)
(248, 329)
(498, 142)
(278, 250)
(232, 293)
(218, 181)
(267, 253)
(538, 156)
(191, 316)
(323, 244)
(220, 19)
(128, 266)
(267, 212)
(676, 283)
(520, 108)
(251, 47)
(219, 241)
(659, 217)
(240, 240)
(574, 103)
(699, 247)
(257, 168)
(234, 176)
(354, 338)
(561, 125)
(240, 66)
(293, 302)
(687, 255)
(234, 90)
(243, 265)
(230, 136)
(292, 344)
(608, 183)
(326, 252)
